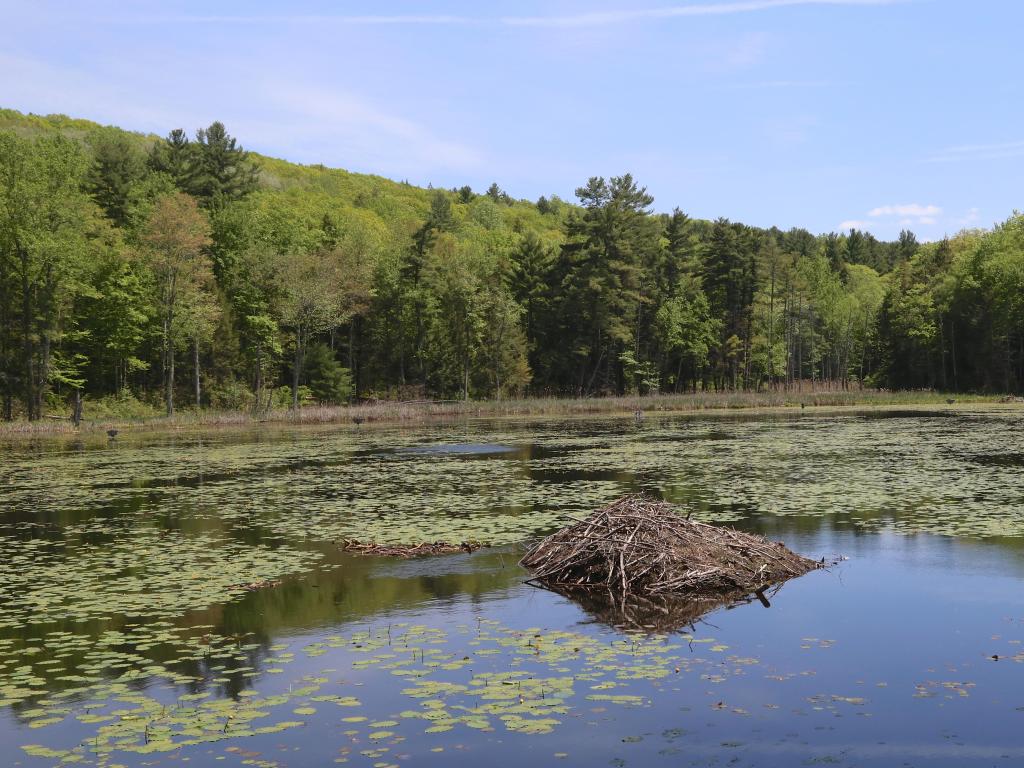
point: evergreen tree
(175, 157)
(118, 165)
(224, 172)
(329, 381)
(599, 296)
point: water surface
(172, 599)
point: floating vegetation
(409, 550)
(951, 477)
(141, 572)
(483, 677)
(104, 548)
(43, 677)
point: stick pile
(408, 550)
(642, 547)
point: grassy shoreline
(419, 412)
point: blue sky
(822, 114)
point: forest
(141, 273)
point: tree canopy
(124, 257)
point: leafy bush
(230, 395)
(122, 405)
(282, 398)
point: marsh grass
(390, 412)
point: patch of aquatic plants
(916, 473)
(44, 678)
(912, 474)
(346, 486)
(136, 571)
(483, 677)
(144, 532)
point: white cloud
(353, 128)
(969, 219)
(706, 9)
(854, 224)
(593, 19)
(887, 220)
(304, 123)
(913, 209)
(773, 84)
(44, 88)
(994, 151)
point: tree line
(186, 271)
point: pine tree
(224, 171)
(117, 166)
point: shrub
(230, 395)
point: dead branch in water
(408, 550)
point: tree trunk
(43, 374)
(352, 358)
(297, 368)
(942, 349)
(170, 379)
(196, 383)
(952, 351)
(76, 408)
(258, 381)
(28, 352)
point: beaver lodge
(639, 562)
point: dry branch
(408, 550)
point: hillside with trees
(147, 272)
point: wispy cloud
(355, 128)
(996, 151)
(307, 122)
(305, 18)
(673, 12)
(593, 19)
(854, 224)
(888, 217)
(887, 220)
(912, 209)
(970, 219)
(777, 84)
(47, 88)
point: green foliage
(230, 395)
(686, 333)
(213, 168)
(125, 257)
(329, 381)
(120, 405)
(118, 166)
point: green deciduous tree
(46, 227)
(173, 248)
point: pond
(184, 599)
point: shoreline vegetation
(414, 412)
(188, 276)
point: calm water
(184, 600)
